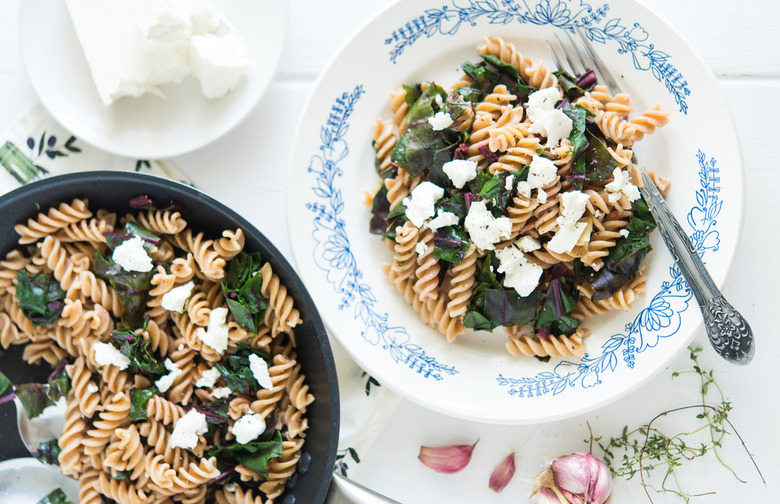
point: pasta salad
(174, 352)
(509, 199)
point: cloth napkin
(35, 146)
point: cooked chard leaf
(431, 100)
(236, 372)
(216, 411)
(494, 190)
(56, 496)
(48, 452)
(450, 243)
(242, 289)
(625, 258)
(380, 208)
(413, 93)
(40, 297)
(560, 299)
(422, 148)
(493, 305)
(455, 205)
(139, 398)
(139, 351)
(253, 455)
(509, 76)
(132, 288)
(5, 384)
(593, 162)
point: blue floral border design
(564, 14)
(661, 319)
(333, 255)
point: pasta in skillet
(510, 200)
(178, 350)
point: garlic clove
(446, 459)
(503, 473)
(572, 474)
(600, 481)
(546, 496)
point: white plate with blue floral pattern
(474, 378)
(147, 127)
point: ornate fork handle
(728, 332)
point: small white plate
(26, 481)
(148, 127)
(332, 165)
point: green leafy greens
(242, 289)
(40, 297)
(56, 496)
(236, 372)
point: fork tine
(601, 68)
(573, 68)
(555, 57)
(578, 53)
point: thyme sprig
(643, 450)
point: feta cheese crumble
(541, 196)
(259, 368)
(566, 237)
(520, 274)
(442, 219)
(528, 244)
(620, 185)
(208, 378)
(483, 228)
(132, 256)
(187, 429)
(545, 118)
(460, 171)
(524, 188)
(419, 204)
(221, 392)
(216, 333)
(541, 172)
(92, 388)
(107, 354)
(248, 427)
(174, 299)
(572, 207)
(624, 233)
(165, 381)
(421, 248)
(440, 120)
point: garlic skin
(446, 459)
(503, 473)
(578, 478)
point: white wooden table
(740, 43)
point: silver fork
(728, 331)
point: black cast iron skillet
(112, 191)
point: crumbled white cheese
(165, 381)
(572, 207)
(106, 354)
(221, 392)
(421, 248)
(138, 45)
(216, 333)
(180, 347)
(566, 238)
(132, 256)
(524, 188)
(520, 274)
(528, 244)
(92, 388)
(419, 205)
(460, 171)
(543, 100)
(231, 486)
(259, 368)
(541, 172)
(483, 228)
(218, 62)
(597, 214)
(440, 120)
(208, 378)
(174, 299)
(541, 196)
(442, 219)
(545, 118)
(510, 180)
(623, 233)
(621, 184)
(187, 429)
(248, 427)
